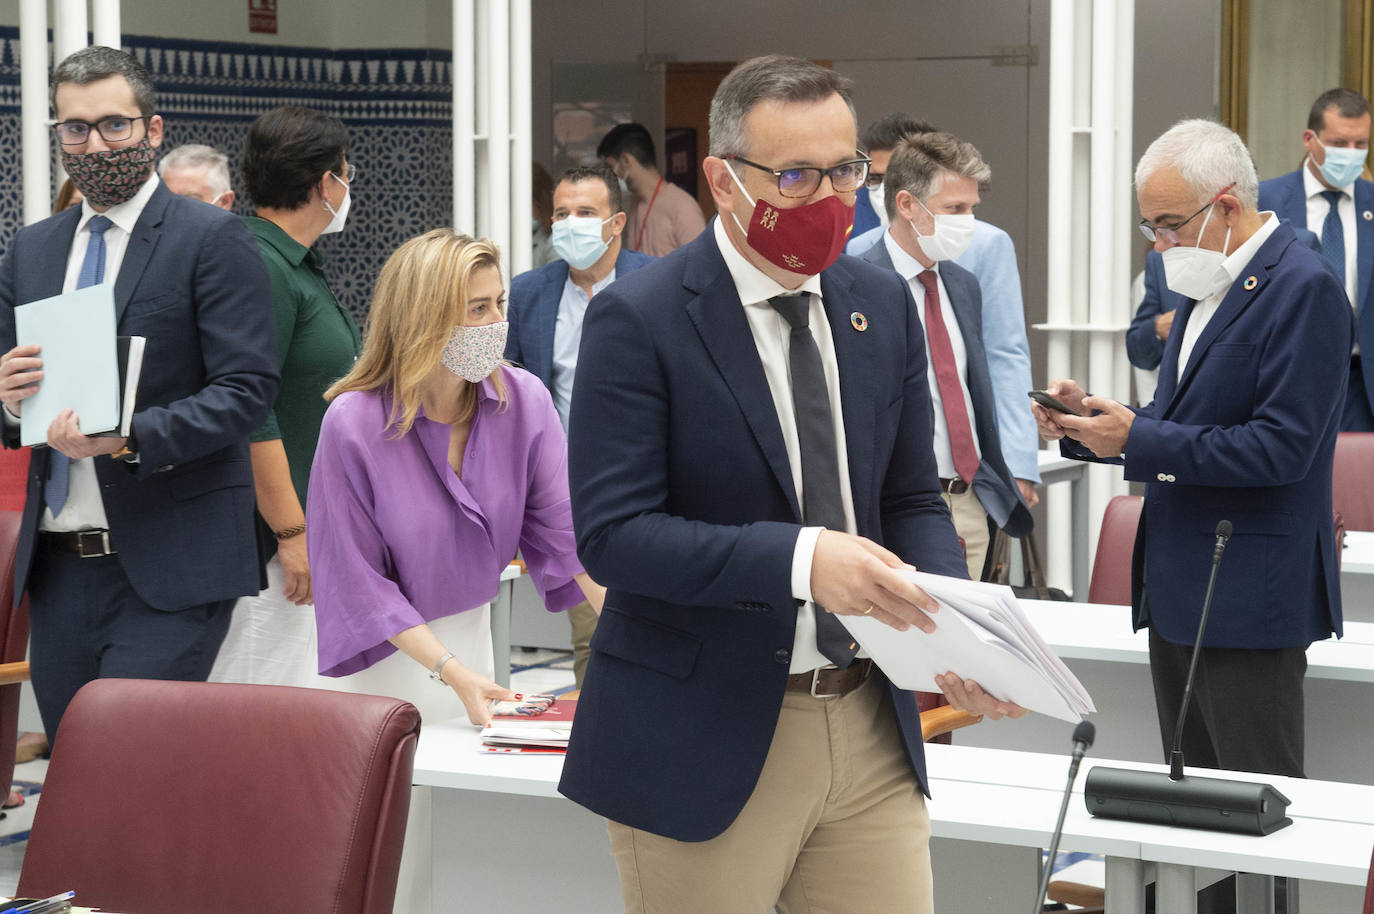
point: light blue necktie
(92, 274)
(1333, 234)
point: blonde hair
(421, 295)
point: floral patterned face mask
(473, 353)
(111, 176)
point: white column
(105, 22)
(464, 117)
(1088, 275)
(68, 28)
(35, 156)
(497, 83)
(520, 256)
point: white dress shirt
(909, 268)
(84, 509)
(1228, 273)
(567, 338)
(1317, 208)
(771, 335)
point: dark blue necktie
(1333, 234)
(822, 503)
(92, 274)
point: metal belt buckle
(957, 486)
(86, 537)
(815, 681)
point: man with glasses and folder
(134, 549)
(750, 458)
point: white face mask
(951, 237)
(341, 214)
(577, 239)
(473, 353)
(1196, 272)
(875, 197)
(1341, 165)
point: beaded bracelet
(290, 532)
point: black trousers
(86, 622)
(1246, 712)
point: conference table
(504, 839)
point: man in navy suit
(1242, 428)
(932, 182)
(134, 550)
(749, 458)
(547, 306)
(1328, 197)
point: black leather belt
(955, 486)
(89, 544)
(829, 682)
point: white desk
(505, 840)
(1357, 576)
(1113, 664)
(1055, 468)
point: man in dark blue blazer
(728, 395)
(1327, 196)
(547, 306)
(1242, 428)
(936, 176)
(134, 550)
(1153, 318)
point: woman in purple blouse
(436, 463)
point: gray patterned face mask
(473, 353)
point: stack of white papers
(980, 634)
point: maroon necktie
(947, 377)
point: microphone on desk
(1193, 802)
(1083, 736)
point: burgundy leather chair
(14, 642)
(218, 798)
(1352, 480)
(1111, 578)
(1369, 889)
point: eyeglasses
(803, 181)
(350, 172)
(1153, 233)
(875, 178)
(113, 129)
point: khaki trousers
(582, 620)
(971, 523)
(836, 824)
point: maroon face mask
(805, 239)
(111, 176)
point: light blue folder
(80, 365)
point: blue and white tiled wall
(396, 105)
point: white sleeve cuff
(801, 562)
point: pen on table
(47, 904)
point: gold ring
(869, 610)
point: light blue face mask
(1343, 165)
(577, 239)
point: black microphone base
(1212, 804)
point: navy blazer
(684, 507)
(193, 283)
(1287, 197)
(1143, 347)
(1248, 434)
(993, 483)
(533, 311)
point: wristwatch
(437, 674)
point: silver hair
(98, 62)
(920, 162)
(194, 155)
(771, 78)
(1208, 156)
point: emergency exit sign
(262, 16)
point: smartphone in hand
(1050, 402)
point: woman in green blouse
(295, 166)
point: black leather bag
(998, 569)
